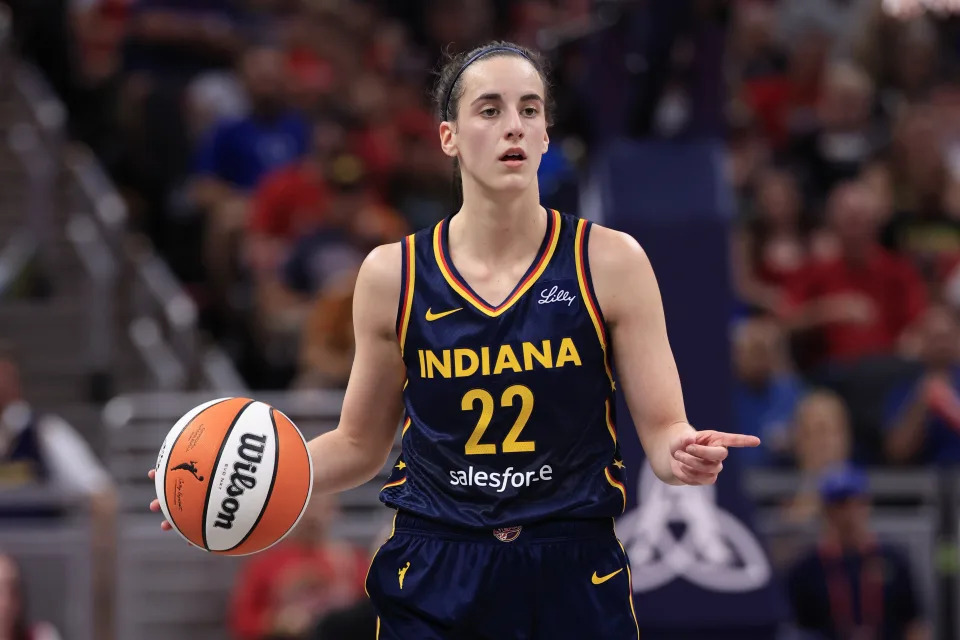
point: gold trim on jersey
(630, 595)
(410, 272)
(522, 288)
(585, 291)
(618, 485)
(609, 419)
(396, 483)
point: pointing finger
(738, 440)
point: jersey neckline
(441, 250)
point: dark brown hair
(449, 86)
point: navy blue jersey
(509, 409)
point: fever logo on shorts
(507, 534)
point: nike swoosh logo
(597, 580)
(431, 316)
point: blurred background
(187, 188)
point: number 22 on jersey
(511, 443)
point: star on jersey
(401, 466)
(619, 464)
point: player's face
(501, 129)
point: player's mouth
(513, 157)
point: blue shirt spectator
(922, 414)
(940, 440)
(241, 151)
(766, 392)
(766, 412)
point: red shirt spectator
(291, 202)
(884, 289)
(863, 298)
(285, 590)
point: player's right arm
(357, 449)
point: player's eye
(530, 111)
(489, 112)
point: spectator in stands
(864, 299)
(14, 623)
(314, 257)
(845, 136)
(327, 342)
(356, 222)
(766, 390)
(42, 449)
(292, 201)
(821, 439)
(237, 153)
(921, 228)
(21, 454)
(772, 245)
(923, 414)
(851, 585)
(359, 620)
(282, 592)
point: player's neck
(498, 228)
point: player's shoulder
(381, 268)
(613, 251)
(377, 291)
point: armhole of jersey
(407, 280)
(589, 296)
(585, 280)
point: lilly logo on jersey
(250, 449)
(462, 363)
(556, 294)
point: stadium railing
(124, 275)
(50, 534)
(906, 508)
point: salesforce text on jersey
(500, 481)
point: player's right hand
(155, 505)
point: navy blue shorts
(555, 580)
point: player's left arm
(630, 301)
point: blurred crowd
(844, 147)
(265, 146)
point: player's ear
(448, 139)
(546, 141)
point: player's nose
(514, 130)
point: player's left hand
(698, 459)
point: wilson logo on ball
(242, 479)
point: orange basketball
(234, 476)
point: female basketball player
(491, 338)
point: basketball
(233, 476)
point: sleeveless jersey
(509, 409)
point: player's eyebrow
(496, 97)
